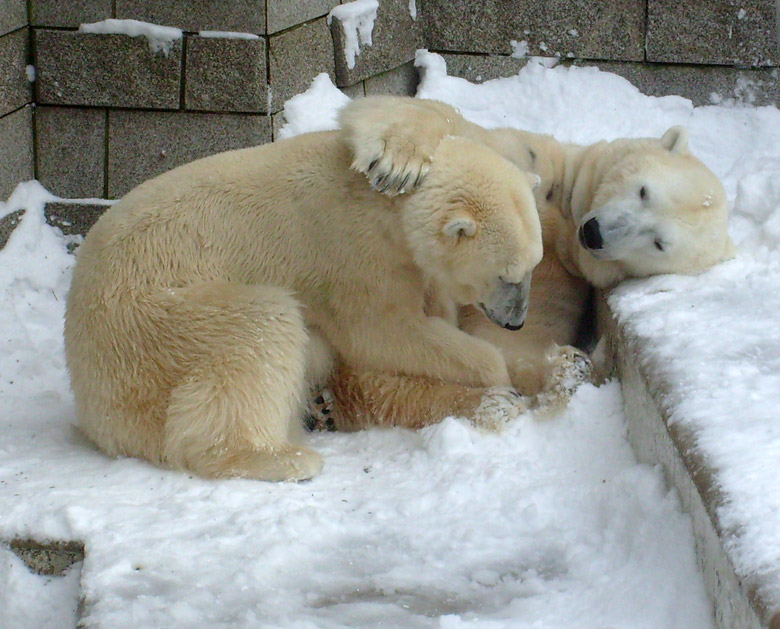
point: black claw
(373, 164)
(404, 181)
(418, 179)
(326, 411)
(330, 424)
(319, 400)
(381, 183)
(310, 423)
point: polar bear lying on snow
(609, 211)
(208, 300)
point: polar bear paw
(393, 164)
(499, 405)
(319, 411)
(570, 368)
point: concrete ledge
(657, 442)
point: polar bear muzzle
(508, 303)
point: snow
(160, 38)
(228, 35)
(357, 21)
(551, 524)
(713, 340)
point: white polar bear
(208, 299)
(612, 210)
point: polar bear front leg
(372, 398)
(424, 346)
(393, 138)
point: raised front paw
(319, 412)
(393, 139)
(498, 406)
(399, 167)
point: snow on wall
(160, 38)
(357, 21)
(228, 35)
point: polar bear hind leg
(239, 400)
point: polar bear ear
(534, 180)
(675, 140)
(460, 226)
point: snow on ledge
(160, 38)
(227, 35)
(357, 20)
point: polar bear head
(644, 207)
(473, 229)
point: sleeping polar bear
(207, 300)
(609, 211)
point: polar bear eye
(643, 192)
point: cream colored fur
(208, 301)
(392, 140)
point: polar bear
(207, 300)
(609, 211)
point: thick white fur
(209, 300)
(392, 140)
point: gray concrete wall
(16, 144)
(93, 91)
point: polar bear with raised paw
(209, 301)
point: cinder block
(197, 15)
(286, 13)
(401, 81)
(225, 74)
(76, 68)
(13, 15)
(733, 33)
(357, 90)
(480, 68)
(70, 13)
(395, 38)
(143, 144)
(597, 29)
(296, 57)
(15, 89)
(703, 85)
(16, 150)
(70, 150)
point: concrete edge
(736, 604)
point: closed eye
(643, 192)
(658, 244)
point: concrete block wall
(16, 141)
(109, 112)
(709, 51)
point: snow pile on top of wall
(357, 21)
(160, 38)
(714, 339)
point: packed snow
(551, 524)
(228, 35)
(160, 38)
(357, 22)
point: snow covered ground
(551, 524)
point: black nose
(590, 235)
(513, 328)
